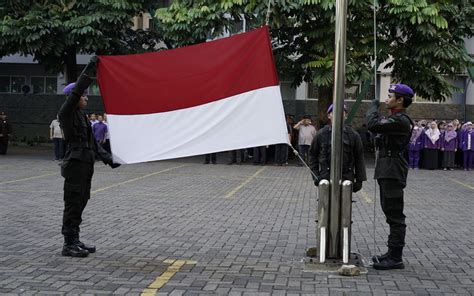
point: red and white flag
(216, 96)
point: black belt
(390, 153)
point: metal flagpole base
(334, 265)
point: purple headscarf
(415, 134)
(450, 133)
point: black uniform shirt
(77, 131)
(5, 128)
(395, 133)
(353, 166)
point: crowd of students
(438, 144)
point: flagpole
(335, 250)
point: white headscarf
(433, 133)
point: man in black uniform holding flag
(78, 164)
(392, 168)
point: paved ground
(181, 227)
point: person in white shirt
(93, 118)
(56, 135)
(306, 133)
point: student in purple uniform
(467, 146)
(99, 129)
(449, 145)
(442, 130)
(431, 145)
(458, 154)
(415, 146)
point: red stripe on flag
(186, 77)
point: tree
(423, 38)
(54, 32)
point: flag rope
(267, 17)
(302, 160)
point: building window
(16, 83)
(51, 85)
(12, 84)
(44, 85)
(37, 83)
(352, 90)
(313, 91)
(287, 91)
(4, 84)
(94, 89)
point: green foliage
(423, 38)
(49, 30)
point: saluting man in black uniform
(78, 165)
(392, 168)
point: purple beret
(330, 108)
(68, 89)
(402, 90)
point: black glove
(374, 107)
(114, 165)
(91, 67)
(376, 103)
(357, 186)
(378, 141)
(316, 181)
(85, 79)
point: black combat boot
(379, 258)
(89, 248)
(393, 261)
(73, 250)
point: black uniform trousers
(391, 199)
(260, 155)
(281, 153)
(3, 145)
(212, 157)
(77, 188)
(233, 155)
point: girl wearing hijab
(431, 144)
(449, 145)
(442, 130)
(414, 146)
(458, 153)
(467, 145)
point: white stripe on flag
(251, 119)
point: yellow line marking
(29, 191)
(461, 183)
(139, 178)
(29, 178)
(231, 194)
(277, 178)
(165, 276)
(365, 196)
(234, 177)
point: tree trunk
(324, 100)
(70, 63)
